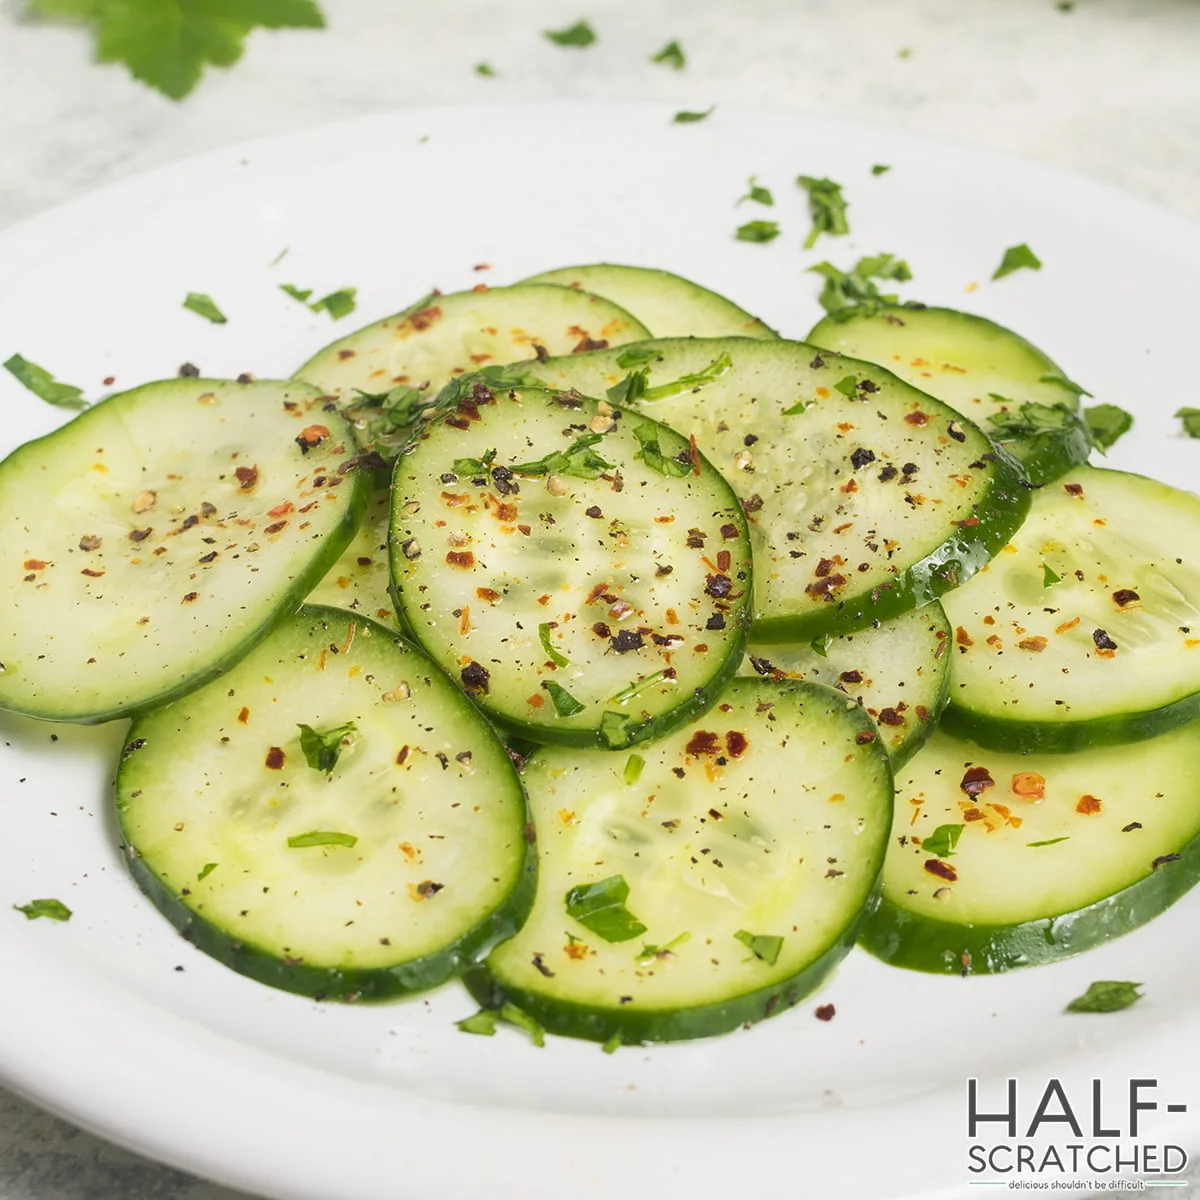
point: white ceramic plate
(115, 1023)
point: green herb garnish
(1191, 420)
(1107, 423)
(848, 386)
(757, 194)
(820, 645)
(206, 871)
(337, 304)
(880, 169)
(1106, 995)
(1053, 422)
(688, 383)
(43, 385)
(204, 306)
(799, 407)
(651, 453)
(626, 694)
(484, 69)
(761, 945)
(600, 908)
(474, 467)
(55, 910)
(321, 837)
(827, 206)
(578, 460)
(941, 843)
(633, 769)
(686, 117)
(649, 953)
(847, 293)
(1049, 841)
(553, 655)
(579, 35)
(630, 389)
(484, 1022)
(614, 729)
(1049, 577)
(300, 294)
(612, 1045)
(322, 750)
(279, 257)
(757, 231)
(672, 55)
(168, 43)
(636, 356)
(564, 703)
(1017, 258)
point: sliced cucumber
(669, 305)
(844, 535)
(1007, 860)
(977, 367)
(381, 873)
(599, 597)
(360, 580)
(1086, 629)
(388, 373)
(154, 539)
(713, 879)
(900, 673)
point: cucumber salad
(587, 641)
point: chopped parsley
(473, 467)
(484, 1023)
(578, 460)
(484, 69)
(321, 837)
(564, 703)
(279, 257)
(1107, 424)
(614, 729)
(757, 231)
(1191, 421)
(820, 645)
(761, 945)
(1017, 258)
(672, 55)
(651, 453)
(650, 953)
(612, 1045)
(206, 871)
(1049, 841)
(636, 356)
(757, 193)
(43, 385)
(204, 306)
(1041, 422)
(600, 908)
(848, 386)
(848, 293)
(686, 117)
(690, 382)
(337, 304)
(1049, 577)
(1106, 995)
(827, 206)
(553, 655)
(634, 689)
(55, 910)
(578, 35)
(880, 169)
(633, 769)
(322, 750)
(941, 843)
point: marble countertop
(1110, 88)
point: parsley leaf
(579, 35)
(630, 389)
(484, 69)
(600, 908)
(485, 1020)
(206, 871)
(204, 306)
(1107, 423)
(649, 953)
(43, 385)
(759, 195)
(880, 169)
(1106, 995)
(55, 910)
(482, 1023)
(686, 383)
(633, 768)
(827, 206)
(337, 304)
(757, 231)
(1189, 416)
(322, 750)
(1017, 258)
(301, 294)
(651, 453)
(635, 356)
(614, 729)
(820, 645)
(638, 686)
(672, 55)
(761, 945)
(553, 655)
(846, 293)
(943, 840)
(1049, 841)
(564, 703)
(473, 467)
(168, 43)
(1041, 422)
(321, 837)
(685, 117)
(613, 1044)
(848, 387)
(510, 1014)
(577, 460)
(1049, 577)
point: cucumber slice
(1087, 628)
(360, 580)
(668, 304)
(158, 536)
(410, 356)
(843, 535)
(601, 602)
(899, 673)
(977, 367)
(1012, 879)
(383, 873)
(750, 843)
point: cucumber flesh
(1087, 629)
(360, 580)
(443, 337)
(597, 611)
(977, 367)
(748, 863)
(667, 304)
(1061, 852)
(210, 790)
(899, 673)
(844, 533)
(154, 539)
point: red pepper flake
(824, 567)
(942, 870)
(190, 597)
(962, 637)
(703, 742)
(695, 454)
(736, 744)
(889, 716)
(90, 573)
(824, 586)
(1088, 806)
(724, 561)
(281, 510)
(424, 317)
(729, 532)
(311, 436)
(536, 700)
(923, 714)
(244, 716)
(587, 344)
(824, 1012)
(1029, 785)
(976, 780)
(865, 737)
(276, 527)
(1035, 644)
(917, 418)
(34, 564)
(488, 594)
(1073, 489)
(276, 758)
(463, 559)
(972, 814)
(247, 477)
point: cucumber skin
(1001, 512)
(1066, 737)
(333, 983)
(302, 585)
(903, 939)
(596, 1024)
